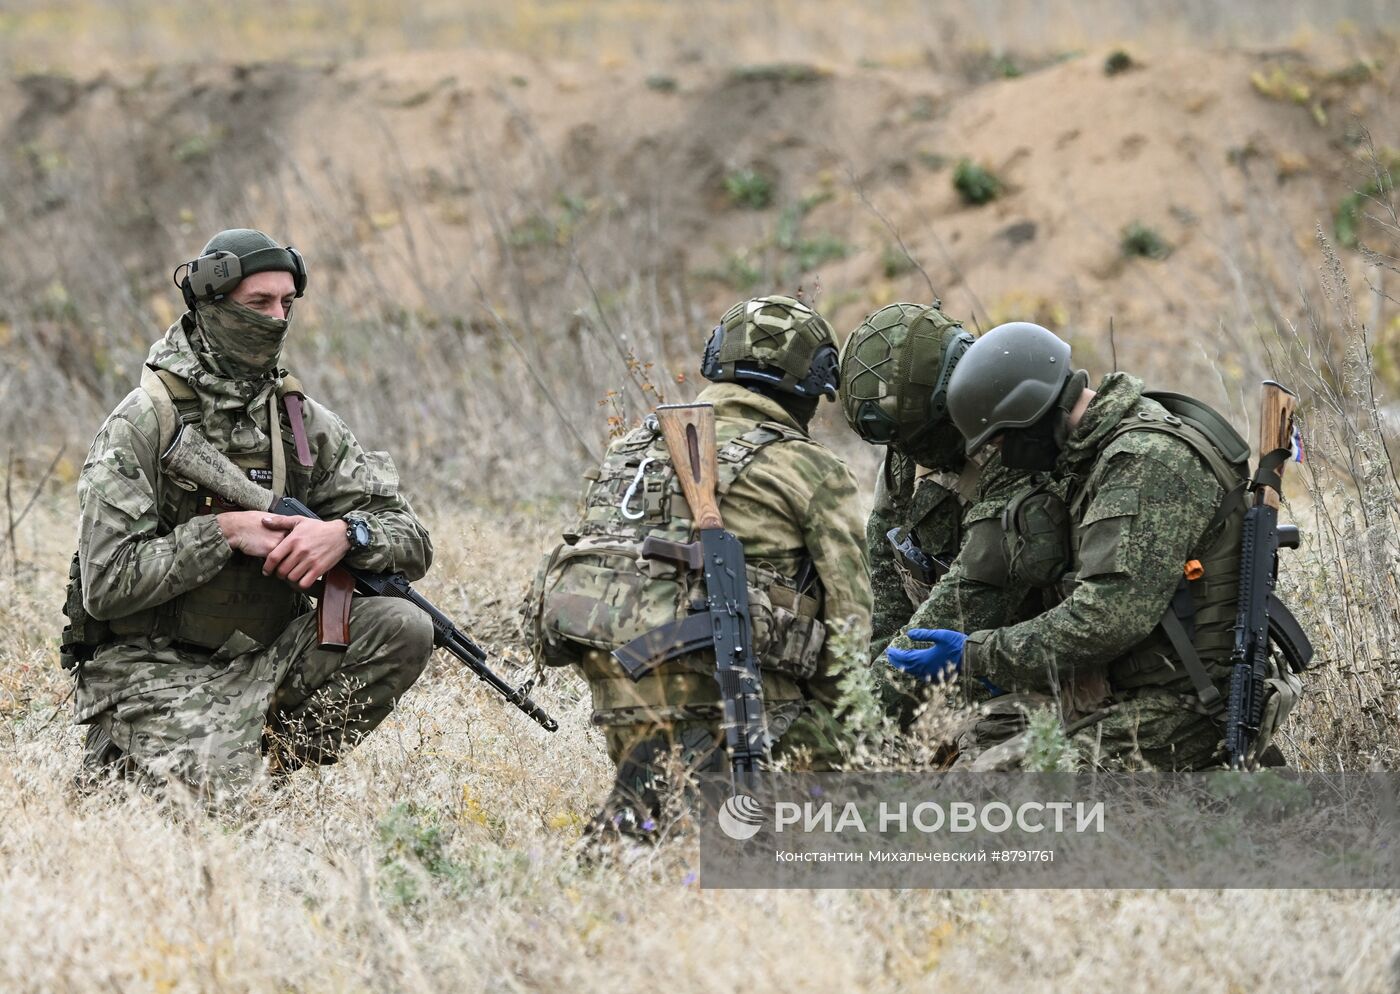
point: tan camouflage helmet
(895, 369)
(774, 340)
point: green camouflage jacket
(131, 561)
(1144, 503)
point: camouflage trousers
(207, 720)
(1151, 731)
(667, 725)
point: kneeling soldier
(793, 506)
(190, 631)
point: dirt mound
(565, 216)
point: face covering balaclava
(245, 342)
(1037, 446)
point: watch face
(359, 534)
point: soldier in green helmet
(190, 633)
(895, 369)
(1131, 531)
(792, 504)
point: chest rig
(238, 597)
(597, 590)
(1052, 543)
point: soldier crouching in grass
(191, 635)
(1132, 529)
(793, 505)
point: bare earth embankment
(506, 250)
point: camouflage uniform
(1140, 504)
(205, 651)
(936, 509)
(792, 503)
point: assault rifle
(191, 457)
(1261, 617)
(725, 625)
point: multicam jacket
(149, 561)
(792, 503)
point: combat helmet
(895, 368)
(774, 341)
(1011, 377)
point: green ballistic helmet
(777, 341)
(1009, 378)
(895, 368)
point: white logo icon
(741, 817)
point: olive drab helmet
(895, 369)
(1010, 378)
(777, 341)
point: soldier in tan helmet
(792, 504)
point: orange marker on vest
(1194, 570)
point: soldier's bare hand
(245, 532)
(309, 548)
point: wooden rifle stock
(1277, 407)
(689, 430)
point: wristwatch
(357, 533)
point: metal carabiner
(631, 490)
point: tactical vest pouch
(787, 637)
(603, 595)
(83, 633)
(983, 555)
(1036, 526)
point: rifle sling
(1270, 471)
(291, 400)
(1180, 613)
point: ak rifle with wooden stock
(191, 457)
(724, 624)
(1261, 618)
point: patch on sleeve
(1106, 523)
(117, 482)
(381, 475)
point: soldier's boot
(652, 789)
(102, 762)
(330, 700)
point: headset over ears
(214, 275)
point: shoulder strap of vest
(1207, 420)
(1228, 471)
(174, 401)
(736, 454)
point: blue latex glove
(938, 662)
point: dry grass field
(521, 220)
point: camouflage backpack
(596, 590)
